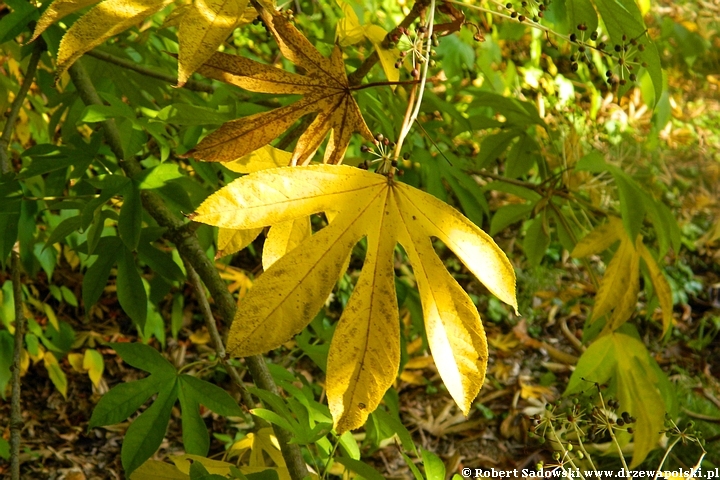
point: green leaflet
(434, 467)
(622, 360)
(536, 240)
(147, 431)
(130, 289)
(96, 277)
(581, 11)
(130, 221)
(622, 17)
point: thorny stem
(16, 421)
(189, 249)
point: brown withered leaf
(324, 86)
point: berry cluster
(413, 45)
(626, 55)
(384, 152)
(529, 9)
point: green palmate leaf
(508, 215)
(623, 360)
(536, 240)
(196, 438)
(623, 18)
(96, 277)
(4, 449)
(130, 290)
(124, 399)
(160, 262)
(65, 228)
(493, 146)
(434, 467)
(212, 396)
(192, 393)
(363, 469)
(145, 358)
(581, 12)
(147, 431)
(6, 351)
(130, 221)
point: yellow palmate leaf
(76, 362)
(455, 334)
(103, 21)
(283, 237)
(600, 239)
(57, 10)
(388, 56)
(348, 30)
(52, 318)
(233, 240)
(216, 467)
(616, 281)
(261, 159)
(24, 362)
(94, 363)
(56, 374)
(362, 366)
(661, 286)
(203, 28)
(287, 296)
(626, 307)
(325, 89)
(176, 16)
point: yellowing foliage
(325, 89)
(203, 26)
(364, 355)
(620, 285)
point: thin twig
(17, 105)
(16, 421)
(191, 251)
(357, 76)
(215, 337)
(149, 72)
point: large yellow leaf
(283, 237)
(325, 89)
(661, 285)
(57, 10)
(364, 353)
(103, 21)
(600, 239)
(203, 28)
(349, 31)
(628, 302)
(616, 281)
(232, 240)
